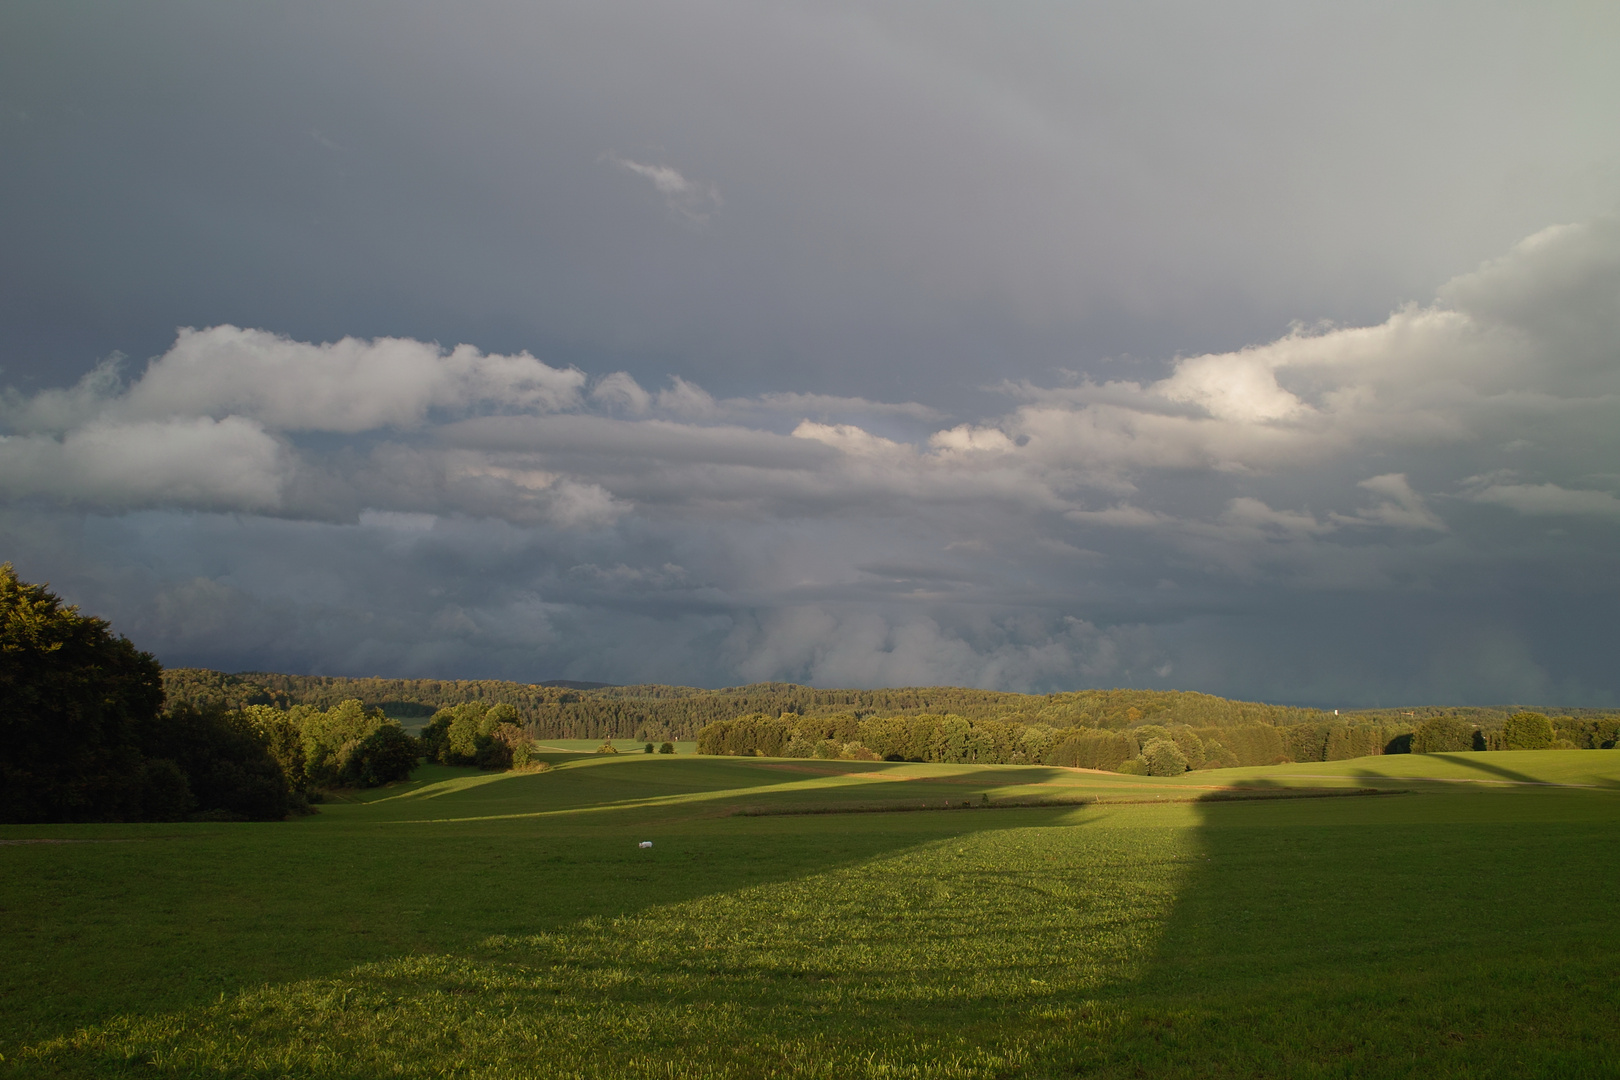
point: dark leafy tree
(385, 755)
(1190, 745)
(74, 700)
(228, 765)
(1164, 758)
(83, 735)
(1442, 734)
(434, 739)
(165, 792)
(1527, 731)
(460, 734)
(283, 737)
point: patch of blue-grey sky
(980, 371)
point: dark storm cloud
(785, 335)
(487, 513)
(898, 201)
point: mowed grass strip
(1459, 931)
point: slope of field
(809, 918)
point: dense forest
(1150, 747)
(654, 713)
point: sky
(1270, 350)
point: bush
(434, 738)
(667, 748)
(217, 815)
(798, 747)
(1190, 745)
(1442, 734)
(225, 760)
(329, 738)
(1306, 742)
(386, 755)
(1253, 744)
(506, 747)
(648, 749)
(1355, 740)
(282, 734)
(1091, 749)
(165, 791)
(1164, 758)
(1146, 733)
(1134, 767)
(1217, 756)
(1527, 731)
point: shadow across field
(1443, 934)
(1454, 932)
(1491, 767)
(203, 914)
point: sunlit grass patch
(511, 926)
(938, 961)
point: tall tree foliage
(472, 733)
(83, 734)
(654, 713)
(74, 702)
(1527, 731)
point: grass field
(1450, 915)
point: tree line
(654, 713)
(1154, 749)
(657, 713)
(1146, 748)
(93, 729)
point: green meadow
(1413, 915)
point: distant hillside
(563, 710)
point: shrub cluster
(473, 733)
(1582, 733)
(1526, 731)
(348, 745)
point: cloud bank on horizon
(852, 346)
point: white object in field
(645, 843)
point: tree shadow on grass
(1369, 938)
(1313, 937)
(1479, 763)
(222, 908)
(918, 952)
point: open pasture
(464, 924)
